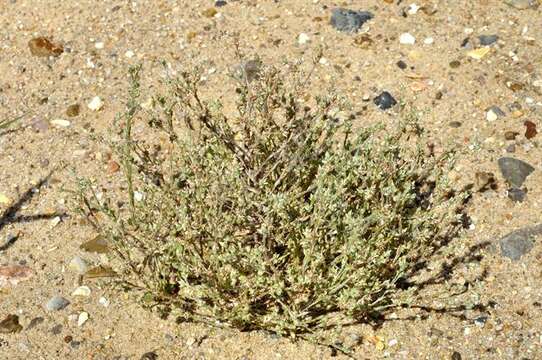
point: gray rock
(248, 71)
(385, 101)
(151, 355)
(486, 40)
(35, 322)
(347, 20)
(57, 329)
(497, 110)
(514, 171)
(516, 195)
(56, 303)
(518, 243)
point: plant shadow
(11, 216)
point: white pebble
(103, 301)
(491, 115)
(81, 291)
(60, 122)
(138, 196)
(129, 54)
(95, 104)
(413, 9)
(303, 38)
(82, 319)
(407, 39)
(428, 41)
(99, 45)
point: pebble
(303, 39)
(486, 40)
(220, 3)
(97, 245)
(428, 41)
(519, 242)
(103, 301)
(478, 54)
(493, 113)
(10, 325)
(456, 356)
(43, 47)
(455, 124)
(480, 321)
(56, 303)
(99, 45)
(514, 171)
(82, 319)
(35, 322)
(129, 54)
(57, 329)
(347, 20)
(14, 274)
(407, 39)
(95, 104)
(516, 195)
(81, 291)
(401, 65)
(60, 123)
(78, 265)
(151, 355)
(73, 110)
(385, 101)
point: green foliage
(283, 217)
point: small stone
(510, 135)
(103, 301)
(83, 291)
(95, 104)
(113, 166)
(363, 41)
(455, 124)
(407, 39)
(14, 274)
(454, 64)
(493, 113)
(56, 303)
(511, 148)
(151, 355)
(514, 171)
(98, 245)
(428, 41)
(220, 3)
(530, 129)
(486, 40)
(401, 65)
(60, 123)
(303, 39)
(99, 45)
(68, 339)
(385, 101)
(10, 325)
(456, 356)
(347, 20)
(43, 47)
(39, 125)
(129, 54)
(517, 243)
(57, 329)
(516, 195)
(35, 322)
(78, 265)
(82, 319)
(209, 13)
(480, 53)
(73, 110)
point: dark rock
(385, 101)
(34, 322)
(402, 65)
(486, 40)
(511, 148)
(455, 124)
(10, 325)
(518, 243)
(151, 355)
(456, 356)
(514, 171)
(516, 195)
(349, 20)
(248, 71)
(57, 329)
(220, 3)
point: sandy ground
(498, 310)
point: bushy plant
(283, 217)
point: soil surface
(473, 302)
